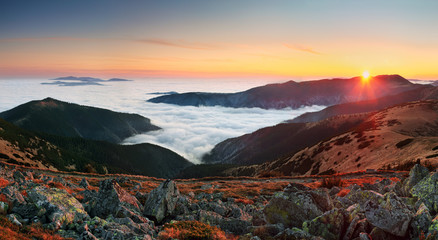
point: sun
(365, 75)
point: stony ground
(360, 205)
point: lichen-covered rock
(161, 201)
(417, 173)
(233, 225)
(111, 199)
(362, 196)
(433, 229)
(427, 192)
(291, 209)
(329, 226)
(392, 215)
(421, 221)
(60, 207)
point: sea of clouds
(189, 131)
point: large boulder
(330, 225)
(427, 192)
(60, 207)
(392, 215)
(113, 199)
(293, 208)
(161, 201)
(417, 173)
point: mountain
(296, 94)
(269, 143)
(422, 92)
(389, 138)
(42, 150)
(71, 120)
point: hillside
(292, 94)
(387, 139)
(77, 154)
(71, 120)
(424, 92)
(270, 143)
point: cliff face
(294, 95)
(72, 120)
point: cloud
(178, 43)
(302, 48)
(194, 131)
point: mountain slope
(72, 120)
(388, 138)
(294, 95)
(269, 143)
(72, 153)
(424, 92)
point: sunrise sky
(236, 38)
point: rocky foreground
(129, 208)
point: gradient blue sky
(218, 38)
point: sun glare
(366, 75)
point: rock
(86, 235)
(427, 192)
(433, 229)
(206, 186)
(235, 226)
(334, 190)
(295, 187)
(84, 183)
(18, 176)
(392, 215)
(417, 173)
(111, 198)
(13, 195)
(379, 234)
(295, 234)
(349, 233)
(329, 226)
(269, 229)
(421, 221)
(291, 209)
(13, 218)
(364, 236)
(161, 201)
(4, 208)
(61, 208)
(363, 196)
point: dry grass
(331, 182)
(193, 230)
(10, 231)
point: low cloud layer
(193, 131)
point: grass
(330, 182)
(193, 230)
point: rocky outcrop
(161, 202)
(113, 199)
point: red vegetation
(343, 192)
(244, 201)
(3, 182)
(10, 231)
(331, 182)
(193, 230)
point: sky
(282, 39)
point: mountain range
(293, 94)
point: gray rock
(295, 234)
(364, 236)
(421, 221)
(361, 197)
(84, 183)
(427, 192)
(13, 218)
(417, 173)
(329, 226)
(18, 176)
(111, 198)
(392, 215)
(291, 209)
(161, 201)
(86, 235)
